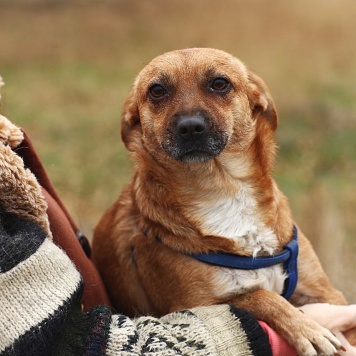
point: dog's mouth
(193, 139)
(193, 155)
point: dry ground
(68, 66)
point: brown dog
(201, 128)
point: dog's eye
(156, 91)
(220, 84)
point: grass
(68, 66)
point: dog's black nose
(189, 127)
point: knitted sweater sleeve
(40, 312)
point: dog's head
(194, 104)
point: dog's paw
(9, 133)
(311, 339)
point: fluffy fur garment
(20, 193)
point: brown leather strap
(32, 161)
(64, 229)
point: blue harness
(288, 256)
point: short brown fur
(141, 242)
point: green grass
(69, 65)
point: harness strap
(288, 256)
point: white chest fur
(230, 282)
(237, 218)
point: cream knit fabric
(34, 290)
(228, 339)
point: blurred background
(69, 64)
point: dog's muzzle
(192, 138)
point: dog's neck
(245, 211)
(221, 198)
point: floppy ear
(261, 102)
(130, 122)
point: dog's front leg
(304, 334)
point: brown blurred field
(68, 66)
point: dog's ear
(261, 101)
(130, 122)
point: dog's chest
(236, 281)
(237, 218)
